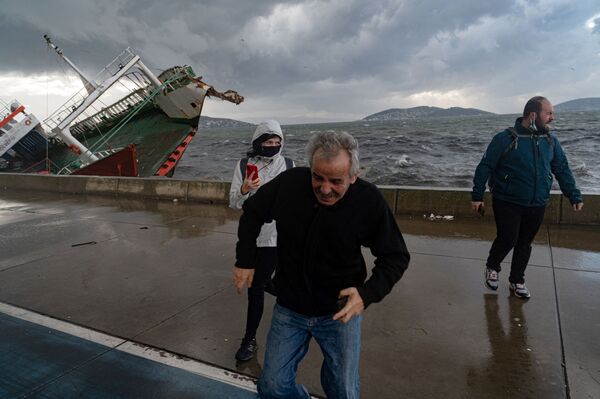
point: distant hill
(421, 112)
(207, 122)
(580, 104)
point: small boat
(144, 133)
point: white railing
(115, 65)
(65, 110)
(117, 109)
(78, 98)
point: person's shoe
(520, 290)
(247, 349)
(491, 279)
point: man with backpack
(518, 166)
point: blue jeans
(287, 343)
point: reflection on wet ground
(508, 370)
(158, 273)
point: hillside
(579, 104)
(423, 111)
(206, 122)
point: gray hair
(331, 143)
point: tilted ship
(145, 133)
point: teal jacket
(520, 170)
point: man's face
(331, 177)
(545, 116)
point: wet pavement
(158, 274)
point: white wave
(403, 161)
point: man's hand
(477, 206)
(241, 277)
(354, 305)
(577, 207)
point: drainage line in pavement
(560, 334)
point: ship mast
(90, 86)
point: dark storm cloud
(249, 41)
(346, 57)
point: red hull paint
(168, 167)
(122, 163)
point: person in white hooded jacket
(267, 144)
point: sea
(431, 152)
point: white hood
(268, 127)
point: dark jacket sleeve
(488, 163)
(560, 169)
(391, 256)
(257, 211)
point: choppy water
(431, 152)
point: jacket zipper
(535, 149)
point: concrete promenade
(157, 273)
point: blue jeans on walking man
(287, 344)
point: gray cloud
(327, 60)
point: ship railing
(115, 65)
(67, 169)
(65, 110)
(107, 152)
(78, 98)
(5, 108)
(49, 166)
(109, 113)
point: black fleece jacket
(319, 247)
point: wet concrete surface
(158, 273)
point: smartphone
(481, 210)
(251, 171)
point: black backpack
(289, 164)
(515, 141)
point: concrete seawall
(404, 200)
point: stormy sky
(315, 61)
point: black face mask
(267, 152)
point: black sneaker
(247, 349)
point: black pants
(516, 227)
(266, 260)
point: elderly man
(323, 214)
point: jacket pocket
(545, 186)
(502, 183)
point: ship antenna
(90, 86)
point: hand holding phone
(251, 171)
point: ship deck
(112, 297)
